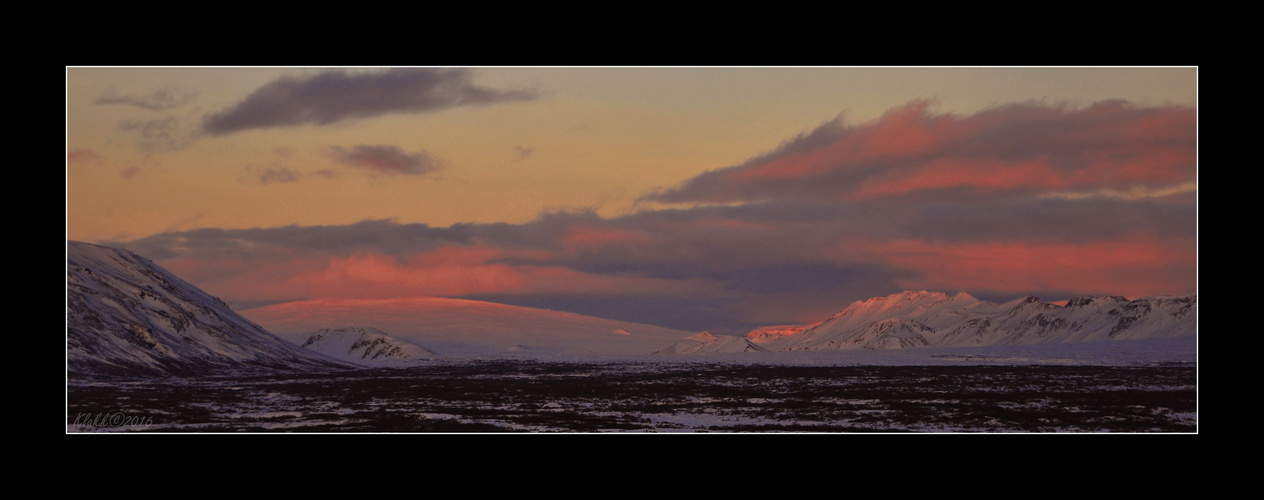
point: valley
(496, 396)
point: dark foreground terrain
(526, 396)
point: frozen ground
(1144, 388)
(1175, 350)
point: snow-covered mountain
(126, 316)
(363, 346)
(765, 334)
(457, 327)
(708, 342)
(934, 319)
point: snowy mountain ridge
(914, 319)
(126, 316)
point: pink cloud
(1026, 148)
(450, 271)
(981, 175)
(84, 155)
(1132, 266)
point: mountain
(363, 346)
(126, 316)
(914, 319)
(766, 334)
(708, 342)
(470, 327)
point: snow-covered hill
(363, 346)
(126, 316)
(457, 327)
(914, 319)
(708, 342)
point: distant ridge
(914, 319)
(708, 342)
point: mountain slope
(362, 346)
(708, 342)
(458, 326)
(934, 319)
(126, 316)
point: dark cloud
(386, 159)
(334, 96)
(522, 152)
(164, 98)
(1060, 220)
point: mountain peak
(362, 345)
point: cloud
(84, 155)
(271, 273)
(164, 98)
(386, 159)
(730, 267)
(1013, 150)
(335, 96)
(151, 129)
(162, 134)
(1133, 266)
(273, 174)
(522, 152)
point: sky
(698, 198)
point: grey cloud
(335, 96)
(522, 152)
(386, 159)
(167, 97)
(152, 129)
(1047, 220)
(163, 134)
(274, 174)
